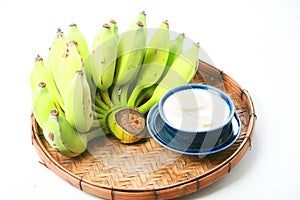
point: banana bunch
(81, 93)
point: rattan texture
(146, 170)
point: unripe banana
(181, 72)
(131, 51)
(52, 131)
(128, 125)
(41, 73)
(75, 34)
(56, 51)
(63, 137)
(42, 103)
(103, 58)
(78, 104)
(176, 46)
(70, 62)
(154, 64)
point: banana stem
(105, 97)
(124, 94)
(100, 103)
(115, 95)
(99, 115)
(147, 105)
(98, 109)
(134, 95)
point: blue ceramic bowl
(196, 139)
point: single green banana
(56, 51)
(75, 34)
(181, 72)
(154, 64)
(42, 103)
(103, 58)
(176, 46)
(132, 41)
(41, 73)
(78, 103)
(69, 63)
(131, 52)
(64, 138)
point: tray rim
(186, 187)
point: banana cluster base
(146, 170)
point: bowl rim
(210, 89)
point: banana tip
(140, 24)
(42, 84)
(73, 25)
(80, 72)
(112, 21)
(59, 32)
(54, 112)
(106, 26)
(73, 42)
(38, 58)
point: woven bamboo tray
(146, 170)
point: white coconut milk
(195, 110)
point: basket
(146, 170)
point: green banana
(154, 63)
(56, 51)
(78, 103)
(181, 72)
(70, 62)
(75, 34)
(41, 73)
(64, 138)
(42, 103)
(131, 52)
(103, 58)
(176, 46)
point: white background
(255, 42)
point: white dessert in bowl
(197, 115)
